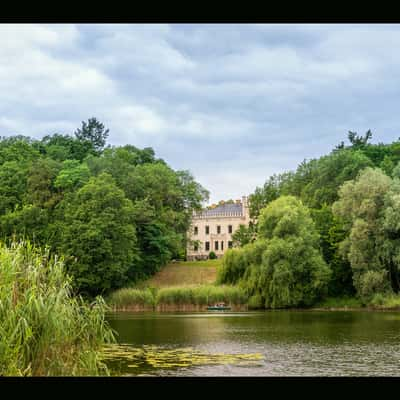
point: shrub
(44, 330)
(372, 283)
(212, 255)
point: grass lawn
(184, 273)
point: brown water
(270, 343)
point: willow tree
(293, 272)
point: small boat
(218, 307)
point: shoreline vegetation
(177, 298)
(183, 286)
(44, 328)
(196, 298)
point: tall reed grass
(130, 296)
(201, 295)
(44, 329)
(188, 294)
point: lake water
(268, 343)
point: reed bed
(177, 295)
(130, 296)
(44, 329)
(201, 295)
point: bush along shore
(178, 298)
(197, 298)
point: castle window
(207, 230)
(207, 246)
(218, 229)
(230, 244)
(196, 230)
(216, 245)
(229, 228)
(196, 247)
(222, 245)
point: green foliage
(390, 301)
(256, 302)
(329, 172)
(98, 236)
(339, 302)
(201, 295)
(361, 206)
(351, 241)
(262, 196)
(94, 133)
(51, 191)
(13, 185)
(19, 149)
(64, 147)
(244, 234)
(41, 190)
(72, 175)
(359, 141)
(284, 266)
(332, 233)
(212, 255)
(43, 329)
(236, 261)
(373, 282)
(128, 296)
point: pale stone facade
(212, 229)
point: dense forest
(116, 214)
(330, 228)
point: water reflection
(290, 342)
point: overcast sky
(231, 103)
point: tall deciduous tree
(99, 236)
(362, 207)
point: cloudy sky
(231, 103)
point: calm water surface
(284, 343)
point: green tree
(99, 236)
(244, 234)
(293, 272)
(72, 175)
(93, 132)
(18, 148)
(65, 147)
(40, 189)
(13, 184)
(262, 196)
(284, 266)
(362, 206)
(331, 234)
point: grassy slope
(184, 273)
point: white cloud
(232, 103)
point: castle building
(212, 229)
